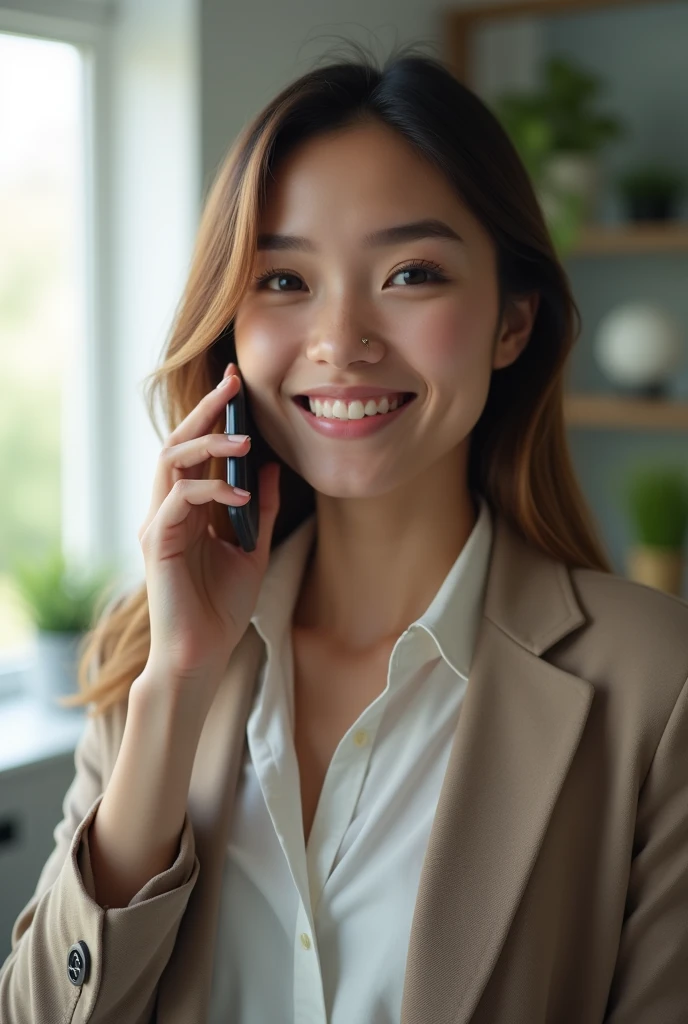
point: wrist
(169, 714)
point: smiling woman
(419, 756)
(400, 229)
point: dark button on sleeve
(78, 963)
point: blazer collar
(529, 595)
(520, 725)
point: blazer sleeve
(650, 981)
(128, 947)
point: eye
(281, 275)
(422, 266)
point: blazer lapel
(520, 725)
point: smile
(359, 426)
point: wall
(250, 51)
(155, 181)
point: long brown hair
(519, 457)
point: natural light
(41, 298)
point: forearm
(135, 833)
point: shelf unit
(591, 411)
(632, 239)
(613, 412)
(461, 24)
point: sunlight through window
(41, 298)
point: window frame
(86, 25)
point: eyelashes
(428, 266)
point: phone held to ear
(242, 472)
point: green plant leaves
(59, 597)
(558, 118)
(657, 502)
(562, 112)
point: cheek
(255, 345)
(456, 343)
(264, 358)
(262, 352)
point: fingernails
(224, 381)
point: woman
(427, 758)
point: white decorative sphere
(638, 345)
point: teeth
(355, 410)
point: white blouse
(319, 934)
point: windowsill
(31, 731)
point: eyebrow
(429, 228)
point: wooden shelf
(521, 8)
(621, 413)
(630, 239)
(461, 24)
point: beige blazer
(555, 884)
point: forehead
(362, 175)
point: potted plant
(651, 193)
(559, 132)
(61, 599)
(657, 502)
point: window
(42, 303)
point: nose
(341, 344)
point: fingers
(202, 417)
(163, 534)
(174, 463)
(200, 449)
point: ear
(515, 329)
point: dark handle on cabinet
(9, 832)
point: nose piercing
(365, 341)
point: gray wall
(251, 50)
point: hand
(202, 590)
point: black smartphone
(242, 472)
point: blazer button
(78, 963)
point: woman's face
(432, 330)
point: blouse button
(305, 941)
(361, 738)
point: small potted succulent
(657, 503)
(559, 132)
(651, 193)
(62, 600)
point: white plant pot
(54, 674)
(576, 174)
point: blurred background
(114, 116)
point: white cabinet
(35, 773)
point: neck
(378, 562)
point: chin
(350, 485)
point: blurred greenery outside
(39, 297)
